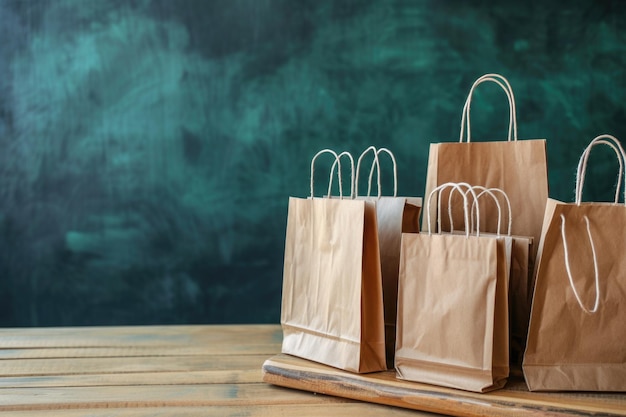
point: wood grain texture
(142, 336)
(220, 371)
(346, 409)
(236, 376)
(123, 365)
(154, 371)
(154, 396)
(384, 388)
(250, 348)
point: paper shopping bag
(452, 309)
(576, 339)
(519, 167)
(520, 273)
(332, 305)
(520, 297)
(395, 215)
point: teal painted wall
(148, 148)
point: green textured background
(148, 148)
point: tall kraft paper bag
(332, 303)
(395, 215)
(452, 308)
(518, 167)
(577, 334)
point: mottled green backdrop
(148, 148)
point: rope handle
(491, 191)
(450, 219)
(569, 271)
(484, 190)
(334, 166)
(358, 170)
(337, 162)
(615, 144)
(376, 165)
(438, 190)
(504, 84)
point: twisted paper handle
(376, 165)
(484, 190)
(504, 84)
(569, 270)
(491, 191)
(336, 163)
(615, 144)
(456, 186)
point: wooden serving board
(384, 388)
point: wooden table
(155, 371)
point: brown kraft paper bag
(577, 332)
(332, 304)
(518, 167)
(520, 271)
(395, 215)
(452, 309)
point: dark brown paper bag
(332, 305)
(519, 168)
(520, 274)
(519, 297)
(395, 215)
(516, 263)
(452, 309)
(577, 332)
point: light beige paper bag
(577, 334)
(452, 308)
(332, 305)
(519, 168)
(395, 215)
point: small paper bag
(519, 168)
(577, 332)
(395, 215)
(332, 305)
(452, 308)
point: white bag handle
(491, 191)
(358, 170)
(376, 165)
(450, 219)
(504, 84)
(336, 163)
(615, 144)
(484, 190)
(595, 267)
(456, 186)
(334, 166)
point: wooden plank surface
(220, 371)
(346, 409)
(186, 337)
(384, 388)
(113, 365)
(154, 371)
